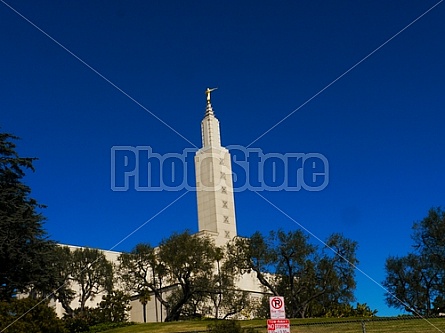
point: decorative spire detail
(209, 109)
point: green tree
(429, 243)
(254, 254)
(226, 299)
(178, 272)
(114, 307)
(88, 269)
(81, 320)
(141, 273)
(144, 297)
(309, 277)
(439, 305)
(25, 251)
(93, 273)
(295, 270)
(62, 265)
(347, 310)
(416, 281)
(413, 282)
(363, 310)
(287, 264)
(187, 261)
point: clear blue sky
(381, 126)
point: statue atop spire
(207, 92)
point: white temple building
(216, 212)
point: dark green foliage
(113, 307)
(62, 264)
(416, 282)
(311, 279)
(88, 268)
(438, 305)
(228, 326)
(250, 330)
(187, 261)
(107, 326)
(412, 281)
(80, 320)
(225, 326)
(110, 313)
(347, 310)
(363, 310)
(90, 320)
(184, 261)
(25, 252)
(223, 294)
(29, 316)
(92, 271)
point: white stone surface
(214, 185)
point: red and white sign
(278, 326)
(276, 304)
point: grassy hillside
(321, 325)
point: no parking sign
(276, 304)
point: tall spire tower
(214, 185)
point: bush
(110, 313)
(114, 307)
(37, 317)
(82, 320)
(228, 326)
(107, 326)
(225, 326)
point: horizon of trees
(201, 278)
(315, 281)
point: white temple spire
(214, 185)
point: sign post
(278, 322)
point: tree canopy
(312, 280)
(25, 251)
(187, 274)
(179, 272)
(416, 282)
